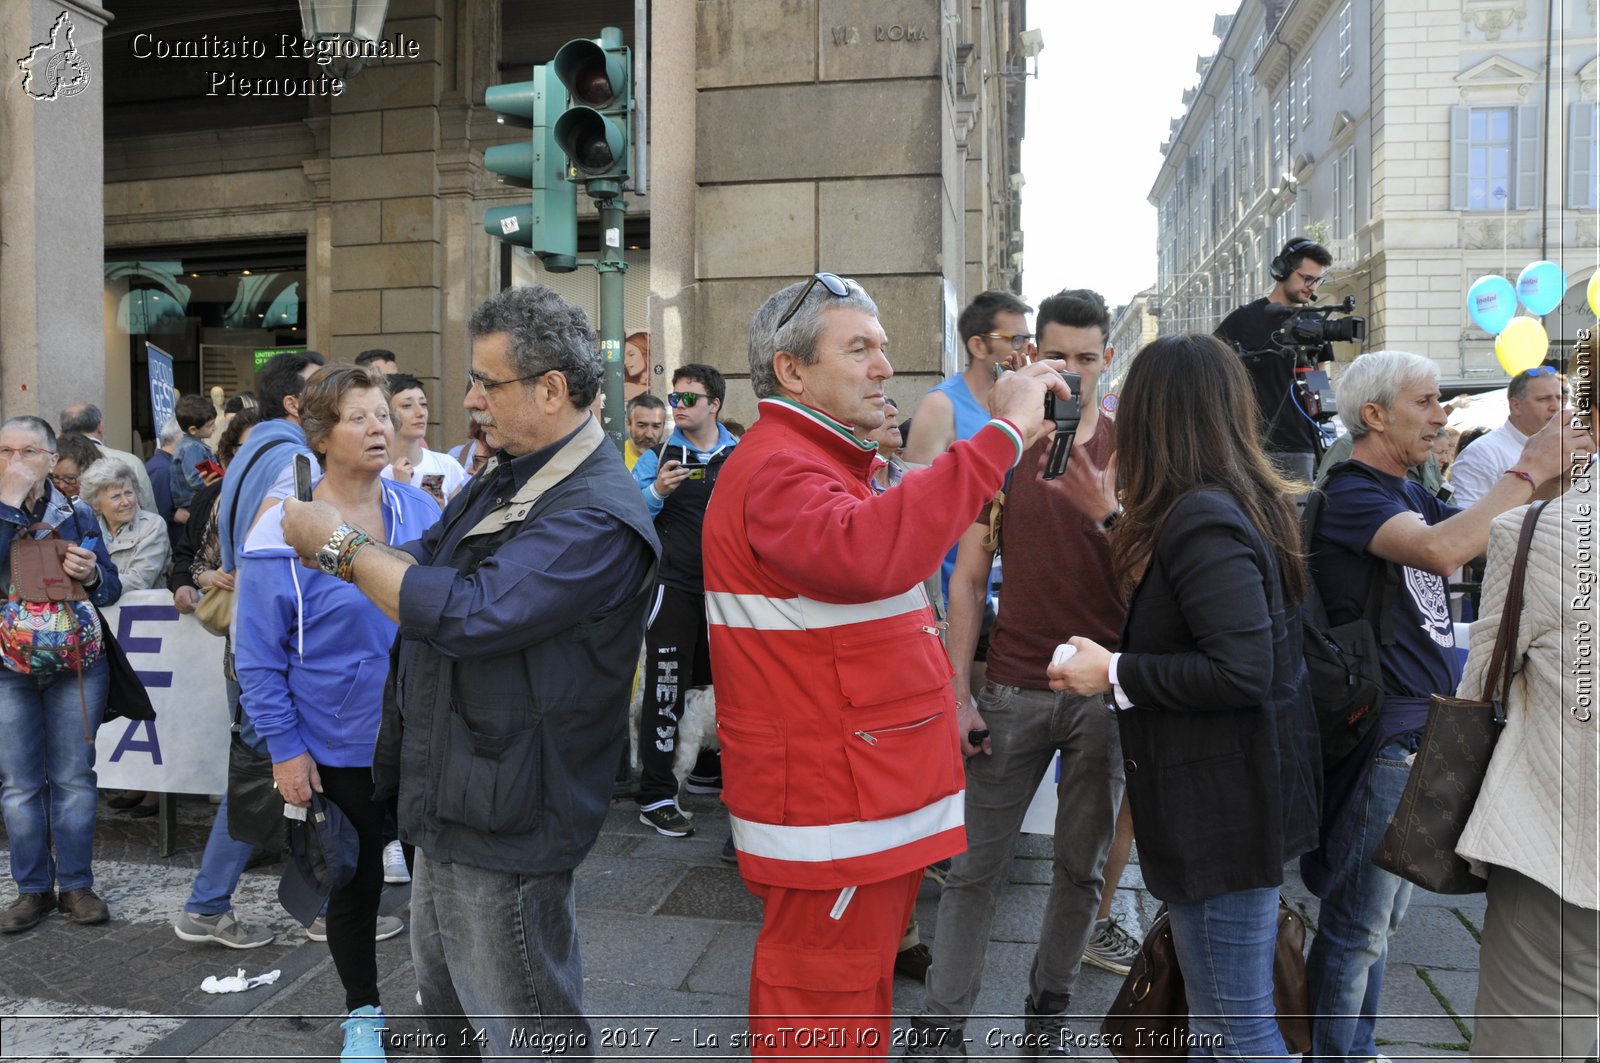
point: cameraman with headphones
(1291, 437)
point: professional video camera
(1065, 413)
(1304, 333)
(1311, 326)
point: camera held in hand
(1305, 333)
(1066, 414)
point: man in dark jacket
(521, 613)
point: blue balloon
(1491, 303)
(1540, 286)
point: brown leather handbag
(37, 570)
(1149, 1020)
(1453, 758)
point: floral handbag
(46, 624)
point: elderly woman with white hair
(135, 538)
(1375, 518)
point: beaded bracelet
(347, 556)
(1519, 474)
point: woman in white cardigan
(1532, 833)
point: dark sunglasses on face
(836, 285)
(685, 398)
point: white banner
(185, 749)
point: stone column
(819, 147)
(52, 220)
(386, 281)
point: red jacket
(841, 764)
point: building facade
(1421, 142)
(203, 187)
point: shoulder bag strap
(1505, 639)
(233, 510)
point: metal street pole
(611, 265)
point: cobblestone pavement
(666, 930)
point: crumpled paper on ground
(237, 983)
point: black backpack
(1342, 660)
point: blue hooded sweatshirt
(249, 481)
(312, 651)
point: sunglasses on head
(836, 285)
(685, 398)
(1540, 370)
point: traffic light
(594, 130)
(547, 223)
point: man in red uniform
(842, 768)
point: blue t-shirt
(970, 416)
(1422, 662)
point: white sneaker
(394, 863)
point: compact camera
(1066, 414)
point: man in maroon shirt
(1058, 579)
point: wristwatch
(328, 556)
(1109, 521)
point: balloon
(1540, 286)
(1594, 294)
(1491, 302)
(1521, 345)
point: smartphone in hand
(209, 468)
(302, 477)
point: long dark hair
(1187, 420)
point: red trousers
(822, 984)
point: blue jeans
(224, 859)
(1225, 946)
(500, 951)
(1364, 905)
(49, 795)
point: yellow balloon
(1522, 345)
(1594, 294)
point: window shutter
(1460, 118)
(1580, 149)
(1528, 174)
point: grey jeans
(499, 951)
(1026, 728)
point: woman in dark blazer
(1210, 688)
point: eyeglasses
(484, 384)
(63, 481)
(1315, 282)
(28, 453)
(685, 398)
(837, 286)
(1017, 340)
(1540, 370)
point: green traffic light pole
(611, 265)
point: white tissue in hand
(237, 983)
(1063, 654)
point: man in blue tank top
(994, 330)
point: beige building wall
(833, 135)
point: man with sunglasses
(1290, 435)
(676, 479)
(842, 768)
(1533, 396)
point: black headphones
(1279, 267)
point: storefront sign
(163, 395)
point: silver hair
(800, 333)
(170, 433)
(1378, 377)
(544, 332)
(37, 425)
(107, 472)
